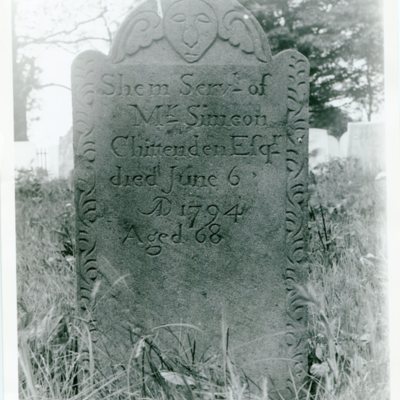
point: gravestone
(365, 141)
(25, 153)
(191, 146)
(333, 147)
(65, 155)
(322, 148)
(318, 147)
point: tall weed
(345, 295)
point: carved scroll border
(83, 94)
(296, 210)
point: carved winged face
(191, 28)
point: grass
(345, 293)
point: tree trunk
(370, 93)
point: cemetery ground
(345, 295)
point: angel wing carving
(241, 30)
(139, 31)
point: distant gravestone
(65, 155)
(24, 155)
(190, 145)
(318, 147)
(333, 147)
(344, 145)
(365, 141)
(322, 147)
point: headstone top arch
(191, 28)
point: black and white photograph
(198, 200)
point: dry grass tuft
(345, 295)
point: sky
(52, 116)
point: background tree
(63, 27)
(343, 40)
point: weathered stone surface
(191, 175)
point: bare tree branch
(45, 39)
(47, 85)
(107, 26)
(40, 41)
(66, 48)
